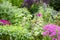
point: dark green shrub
(34, 8)
(55, 4)
(32, 5)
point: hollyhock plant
(5, 22)
(52, 30)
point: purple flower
(28, 2)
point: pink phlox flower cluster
(5, 22)
(51, 30)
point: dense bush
(17, 3)
(55, 4)
(14, 33)
(57, 19)
(46, 13)
(18, 33)
(13, 14)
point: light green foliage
(14, 33)
(57, 19)
(13, 14)
(17, 3)
(37, 27)
(47, 13)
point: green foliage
(18, 33)
(55, 4)
(46, 12)
(34, 8)
(14, 33)
(17, 3)
(47, 38)
(57, 19)
(0, 0)
(13, 14)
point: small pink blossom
(5, 22)
(39, 14)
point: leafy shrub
(13, 14)
(36, 26)
(55, 4)
(14, 33)
(48, 13)
(57, 19)
(17, 3)
(34, 8)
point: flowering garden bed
(28, 22)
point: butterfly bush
(5, 22)
(52, 31)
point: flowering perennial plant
(52, 31)
(4, 22)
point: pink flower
(58, 35)
(54, 39)
(45, 33)
(58, 28)
(51, 28)
(52, 34)
(4, 22)
(39, 14)
(54, 31)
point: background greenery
(55, 4)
